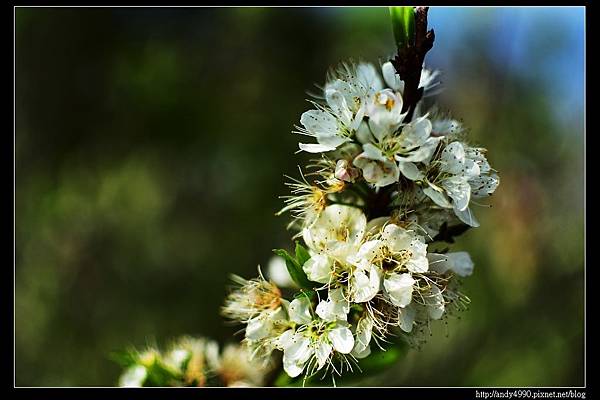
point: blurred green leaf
(294, 269)
(380, 360)
(403, 25)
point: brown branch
(409, 61)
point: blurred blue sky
(520, 37)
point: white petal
(421, 154)
(484, 185)
(361, 352)
(379, 130)
(368, 251)
(437, 195)
(453, 158)
(392, 79)
(299, 311)
(337, 102)
(364, 330)
(385, 113)
(322, 353)
(318, 268)
(470, 168)
(300, 350)
(257, 328)
(342, 339)
(407, 318)
(292, 367)
(459, 191)
(373, 153)
(285, 340)
(410, 171)
(435, 303)
(331, 141)
(315, 148)
(467, 217)
(375, 225)
(319, 123)
(418, 264)
(399, 288)
(325, 310)
(363, 133)
(396, 238)
(446, 126)
(176, 357)
(368, 77)
(391, 174)
(336, 227)
(416, 133)
(365, 287)
(460, 262)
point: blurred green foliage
(151, 146)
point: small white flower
(237, 368)
(385, 113)
(376, 169)
(407, 247)
(337, 231)
(265, 324)
(318, 340)
(465, 173)
(251, 298)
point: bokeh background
(151, 145)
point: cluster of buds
(192, 362)
(386, 188)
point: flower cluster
(386, 188)
(192, 362)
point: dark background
(151, 145)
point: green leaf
(125, 358)
(294, 269)
(403, 25)
(309, 294)
(302, 255)
(160, 375)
